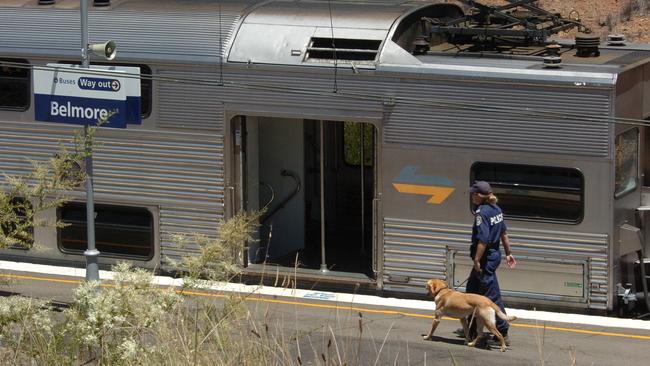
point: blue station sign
(71, 94)
(131, 85)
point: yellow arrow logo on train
(438, 188)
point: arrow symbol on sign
(439, 188)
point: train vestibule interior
(279, 170)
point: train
(360, 127)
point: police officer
(488, 232)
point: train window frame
(151, 245)
(146, 83)
(370, 158)
(515, 216)
(633, 178)
(26, 98)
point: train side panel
(561, 262)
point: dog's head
(435, 285)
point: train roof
(603, 69)
(374, 35)
(197, 31)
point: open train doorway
(316, 182)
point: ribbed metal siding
(163, 168)
(462, 115)
(182, 174)
(418, 250)
(155, 35)
(305, 89)
(19, 142)
(436, 114)
(189, 105)
(185, 221)
(412, 249)
(598, 286)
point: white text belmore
(69, 110)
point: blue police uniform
(488, 228)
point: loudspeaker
(107, 49)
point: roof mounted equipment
(587, 45)
(616, 40)
(517, 24)
(552, 58)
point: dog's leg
(490, 324)
(434, 324)
(479, 331)
(463, 321)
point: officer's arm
(510, 259)
(480, 249)
(506, 243)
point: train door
(315, 182)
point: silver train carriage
(360, 127)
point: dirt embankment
(603, 17)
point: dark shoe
(493, 342)
(483, 343)
(461, 333)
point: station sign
(131, 88)
(71, 94)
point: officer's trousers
(486, 284)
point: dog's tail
(501, 314)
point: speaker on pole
(107, 49)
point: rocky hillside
(628, 17)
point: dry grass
(135, 323)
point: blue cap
(481, 187)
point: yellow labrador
(460, 305)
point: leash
(462, 283)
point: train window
(15, 85)
(352, 142)
(535, 192)
(146, 84)
(626, 176)
(119, 231)
(16, 231)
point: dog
(460, 305)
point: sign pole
(91, 253)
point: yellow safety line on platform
(40, 278)
(349, 308)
